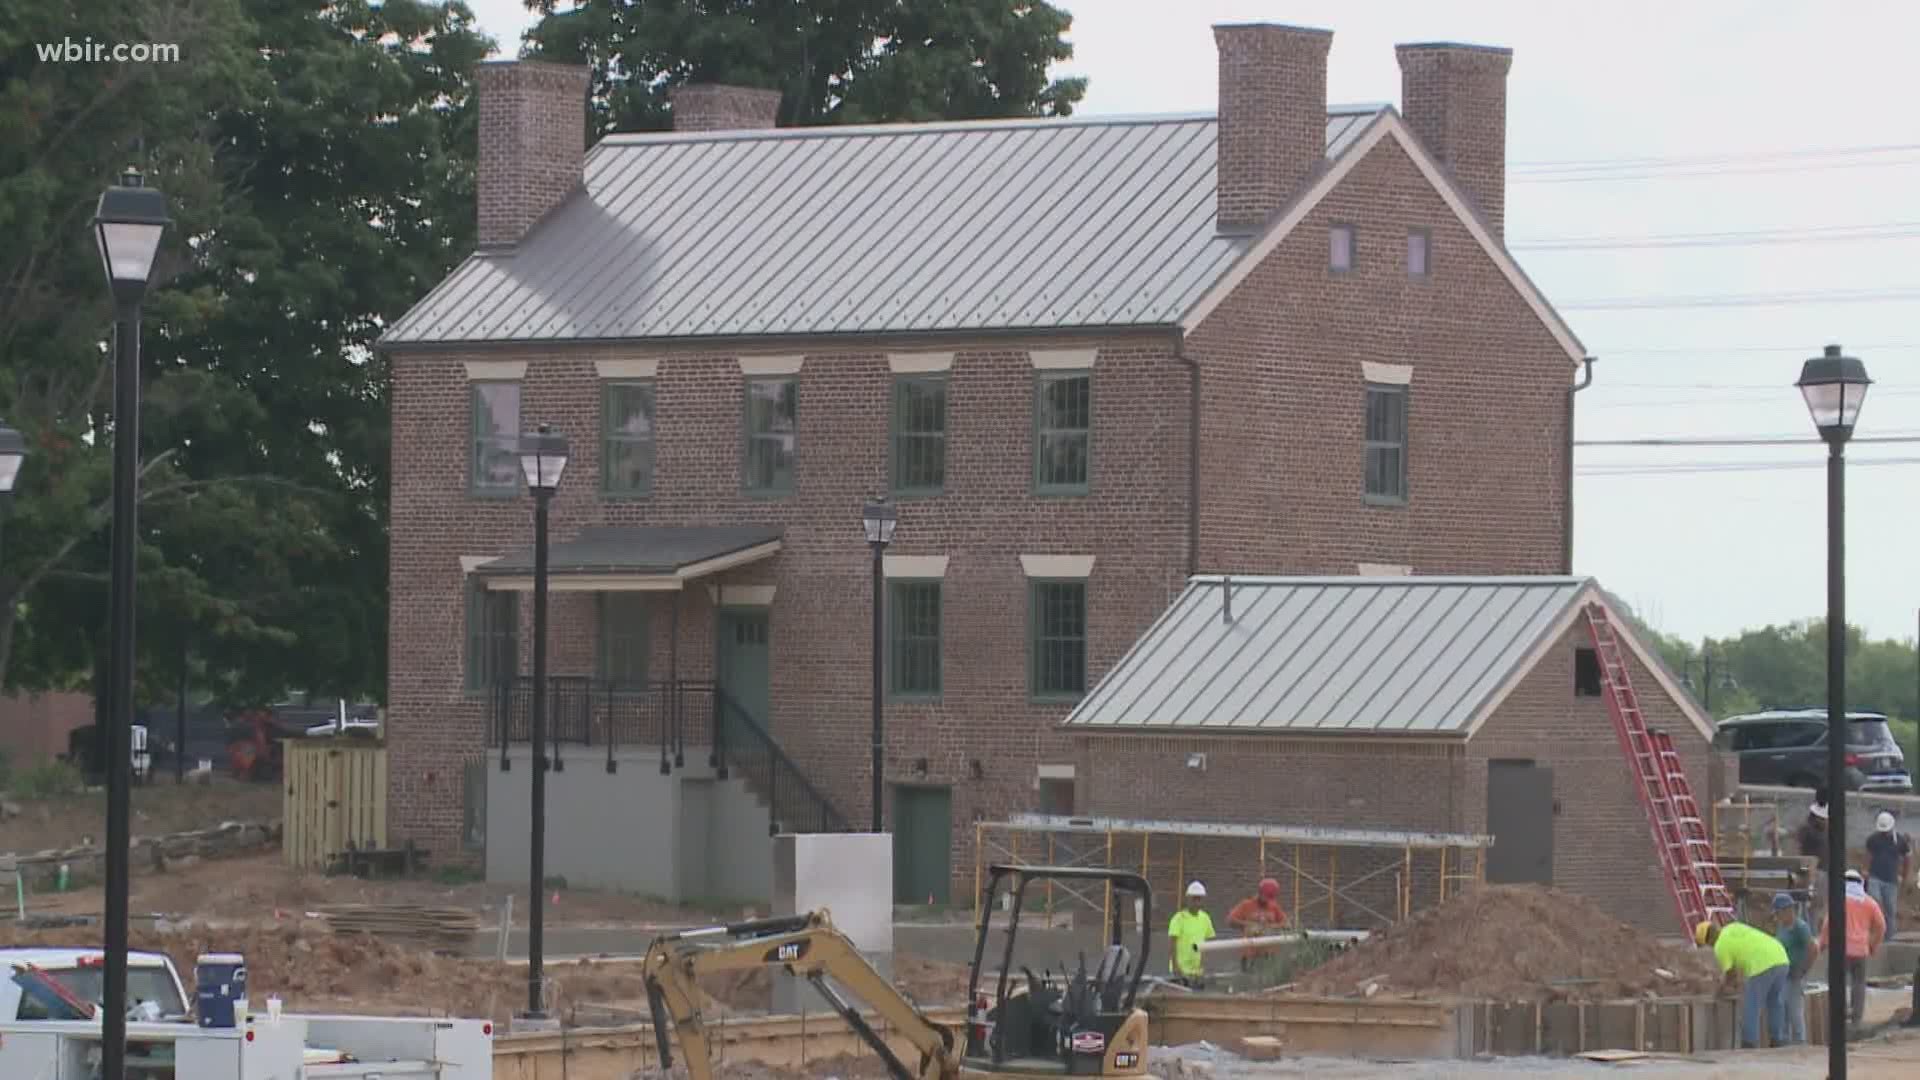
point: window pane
(771, 422)
(920, 434)
(1417, 254)
(1340, 247)
(496, 435)
(1386, 442)
(1062, 442)
(623, 637)
(914, 630)
(1059, 638)
(493, 628)
(626, 451)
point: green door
(922, 844)
(745, 670)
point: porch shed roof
(676, 552)
(1403, 656)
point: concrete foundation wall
(686, 836)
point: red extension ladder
(1679, 833)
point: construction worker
(1866, 929)
(1889, 862)
(1257, 916)
(1796, 937)
(1188, 928)
(1744, 952)
(1812, 839)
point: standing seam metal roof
(1329, 655)
(1028, 224)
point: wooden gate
(336, 797)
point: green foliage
(835, 61)
(458, 874)
(318, 158)
(48, 780)
(1288, 963)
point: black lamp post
(543, 457)
(1835, 387)
(880, 518)
(1707, 683)
(127, 227)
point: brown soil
(261, 890)
(842, 1067)
(1515, 943)
(158, 808)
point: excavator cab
(1082, 1023)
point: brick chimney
(1273, 118)
(533, 130)
(716, 107)
(1454, 98)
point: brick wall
(34, 727)
(715, 107)
(1455, 99)
(1133, 522)
(1284, 401)
(1273, 117)
(532, 143)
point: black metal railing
(606, 714)
(741, 744)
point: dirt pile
(1515, 943)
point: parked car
(1789, 747)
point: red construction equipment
(1673, 817)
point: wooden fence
(336, 796)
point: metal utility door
(922, 844)
(744, 663)
(1520, 818)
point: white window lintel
(1063, 359)
(496, 370)
(919, 363)
(914, 566)
(1387, 374)
(1057, 566)
(770, 365)
(639, 367)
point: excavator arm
(807, 946)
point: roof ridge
(676, 138)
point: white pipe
(1289, 938)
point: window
(919, 434)
(1386, 444)
(1586, 673)
(626, 438)
(496, 438)
(623, 638)
(1418, 243)
(1340, 248)
(1063, 432)
(1056, 797)
(772, 408)
(493, 636)
(1058, 617)
(913, 638)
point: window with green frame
(1062, 432)
(1057, 639)
(919, 434)
(494, 468)
(493, 635)
(772, 423)
(626, 438)
(1386, 445)
(913, 638)
(623, 638)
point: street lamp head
(880, 519)
(127, 226)
(543, 457)
(13, 451)
(1835, 387)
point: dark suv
(1789, 747)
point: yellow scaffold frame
(1294, 851)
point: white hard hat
(1196, 889)
(1883, 823)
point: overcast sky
(1698, 548)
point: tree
(318, 162)
(835, 61)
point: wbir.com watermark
(88, 51)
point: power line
(1712, 159)
(1726, 300)
(1754, 237)
(1684, 468)
(1643, 350)
(1695, 173)
(1753, 440)
(1879, 388)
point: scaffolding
(1335, 878)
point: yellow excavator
(1079, 1025)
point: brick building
(1087, 357)
(1465, 705)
